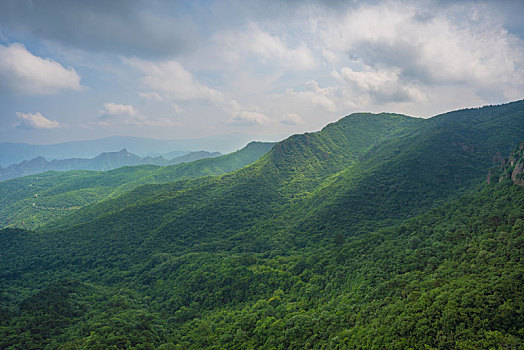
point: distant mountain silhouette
(103, 162)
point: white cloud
(370, 79)
(114, 109)
(170, 81)
(316, 96)
(267, 48)
(23, 72)
(330, 56)
(246, 118)
(114, 113)
(382, 84)
(35, 121)
(395, 56)
(315, 60)
(292, 119)
(462, 46)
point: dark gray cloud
(510, 10)
(397, 54)
(159, 28)
(243, 63)
(141, 28)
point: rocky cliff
(511, 167)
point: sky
(262, 70)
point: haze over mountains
(12, 153)
(102, 162)
(379, 231)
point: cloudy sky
(72, 69)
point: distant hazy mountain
(104, 161)
(191, 156)
(12, 153)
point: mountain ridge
(314, 160)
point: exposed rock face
(511, 168)
(517, 176)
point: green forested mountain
(379, 231)
(33, 200)
(406, 176)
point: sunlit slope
(405, 176)
(364, 172)
(184, 216)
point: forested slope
(451, 278)
(290, 252)
(405, 176)
(264, 194)
(361, 173)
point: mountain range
(379, 231)
(13, 153)
(103, 162)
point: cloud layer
(255, 43)
(120, 26)
(23, 72)
(274, 68)
(114, 113)
(170, 81)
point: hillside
(379, 231)
(359, 174)
(406, 176)
(267, 189)
(33, 200)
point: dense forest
(380, 231)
